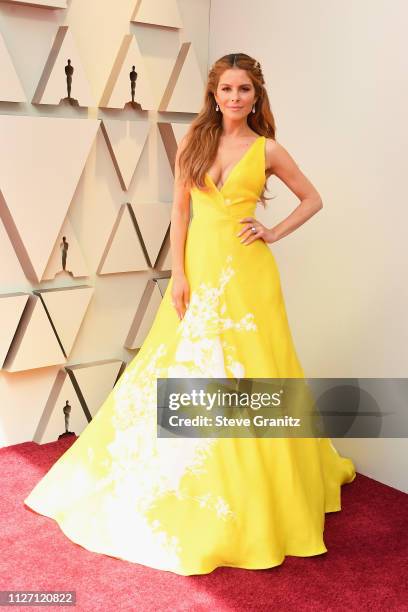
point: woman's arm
(284, 167)
(280, 163)
(180, 218)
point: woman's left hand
(249, 235)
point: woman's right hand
(180, 294)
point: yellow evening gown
(189, 505)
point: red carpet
(365, 568)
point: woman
(189, 505)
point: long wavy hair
(202, 139)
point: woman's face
(235, 93)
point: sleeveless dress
(189, 505)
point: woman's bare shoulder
(275, 154)
(270, 152)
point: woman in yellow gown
(189, 505)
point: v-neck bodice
(236, 165)
(240, 191)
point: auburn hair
(202, 139)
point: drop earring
(253, 108)
(217, 108)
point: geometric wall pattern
(164, 259)
(52, 422)
(23, 399)
(11, 309)
(162, 283)
(153, 221)
(125, 141)
(10, 86)
(157, 13)
(93, 381)
(136, 238)
(171, 135)
(145, 313)
(42, 164)
(57, 302)
(83, 388)
(179, 130)
(184, 91)
(118, 92)
(52, 86)
(67, 257)
(123, 251)
(43, 157)
(35, 345)
(45, 334)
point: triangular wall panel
(162, 283)
(43, 157)
(162, 13)
(185, 90)
(11, 272)
(117, 92)
(171, 135)
(164, 260)
(126, 141)
(11, 308)
(94, 381)
(52, 423)
(23, 397)
(85, 387)
(52, 86)
(10, 86)
(35, 344)
(153, 221)
(123, 252)
(145, 315)
(167, 263)
(66, 308)
(180, 130)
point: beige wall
(336, 75)
(98, 27)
